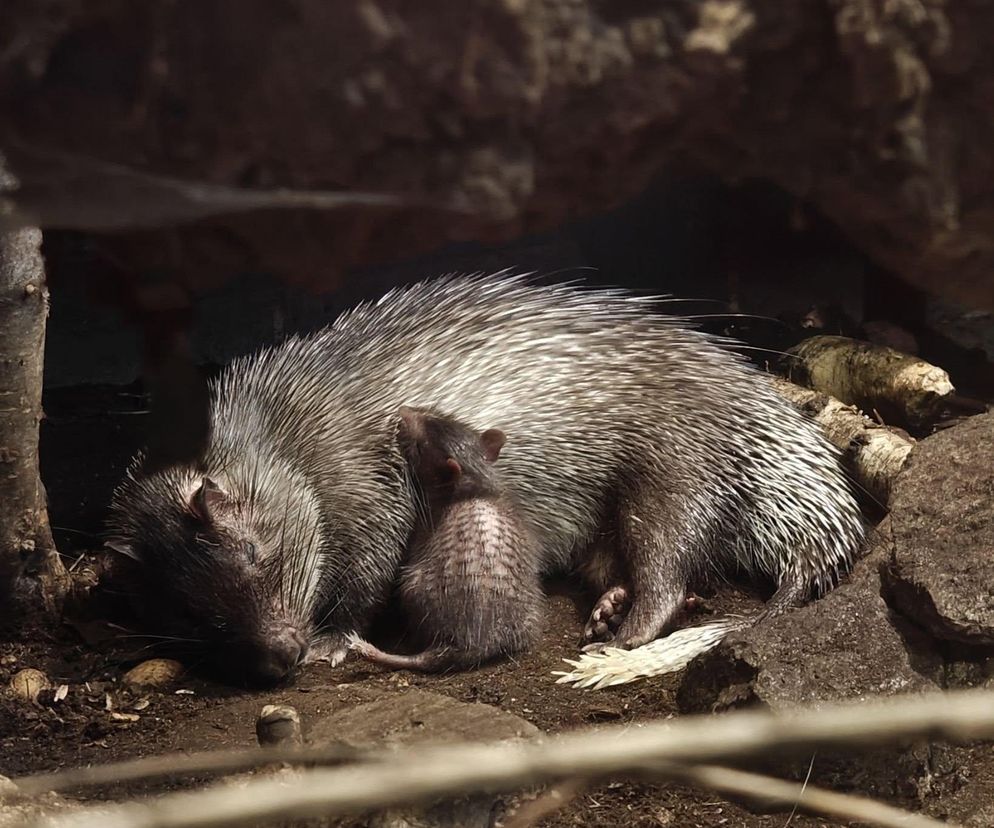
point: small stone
(663, 816)
(156, 672)
(278, 725)
(28, 683)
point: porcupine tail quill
(612, 666)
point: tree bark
(31, 573)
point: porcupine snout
(275, 656)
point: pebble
(28, 683)
(156, 672)
(278, 724)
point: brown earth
(80, 729)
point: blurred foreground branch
(420, 775)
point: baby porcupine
(471, 584)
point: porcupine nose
(277, 659)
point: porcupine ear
(122, 547)
(412, 426)
(208, 498)
(492, 440)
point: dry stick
(874, 453)
(871, 376)
(762, 790)
(774, 792)
(420, 775)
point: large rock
(418, 716)
(941, 567)
(877, 113)
(422, 717)
(848, 645)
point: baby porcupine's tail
(612, 666)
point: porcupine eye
(250, 552)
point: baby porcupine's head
(221, 567)
(450, 460)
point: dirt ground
(99, 721)
(200, 715)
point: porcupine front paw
(331, 649)
(605, 618)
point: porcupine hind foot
(608, 607)
(650, 547)
(606, 616)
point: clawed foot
(604, 629)
(331, 650)
(606, 617)
(693, 602)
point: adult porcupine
(471, 582)
(624, 421)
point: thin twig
(807, 779)
(421, 775)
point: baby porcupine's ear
(492, 440)
(208, 499)
(452, 469)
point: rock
(959, 784)
(418, 716)
(528, 112)
(16, 811)
(156, 672)
(846, 645)
(941, 571)
(28, 683)
(421, 717)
